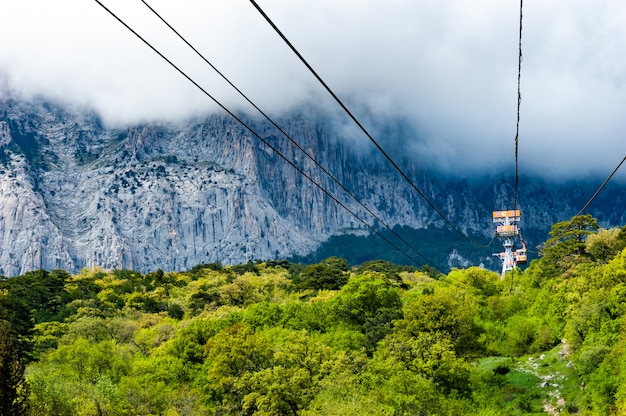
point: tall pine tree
(13, 387)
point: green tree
(485, 281)
(351, 390)
(328, 274)
(604, 245)
(449, 312)
(389, 270)
(34, 297)
(291, 381)
(50, 393)
(371, 304)
(521, 334)
(13, 388)
(566, 246)
(432, 356)
(233, 353)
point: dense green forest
(279, 338)
(434, 243)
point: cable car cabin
(520, 254)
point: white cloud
(448, 66)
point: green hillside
(434, 244)
(279, 338)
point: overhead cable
(519, 102)
(356, 121)
(599, 189)
(253, 132)
(282, 131)
(606, 181)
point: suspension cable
(519, 102)
(369, 136)
(282, 131)
(606, 181)
(599, 189)
(254, 133)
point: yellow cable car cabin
(520, 255)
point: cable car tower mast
(508, 230)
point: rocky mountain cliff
(74, 193)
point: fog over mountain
(110, 157)
(447, 68)
(75, 193)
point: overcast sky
(449, 67)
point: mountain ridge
(75, 193)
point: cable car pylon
(508, 230)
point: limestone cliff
(74, 193)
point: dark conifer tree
(13, 388)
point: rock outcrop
(74, 193)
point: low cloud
(447, 68)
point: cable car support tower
(507, 230)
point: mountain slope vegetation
(279, 338)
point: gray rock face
(74, 193)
